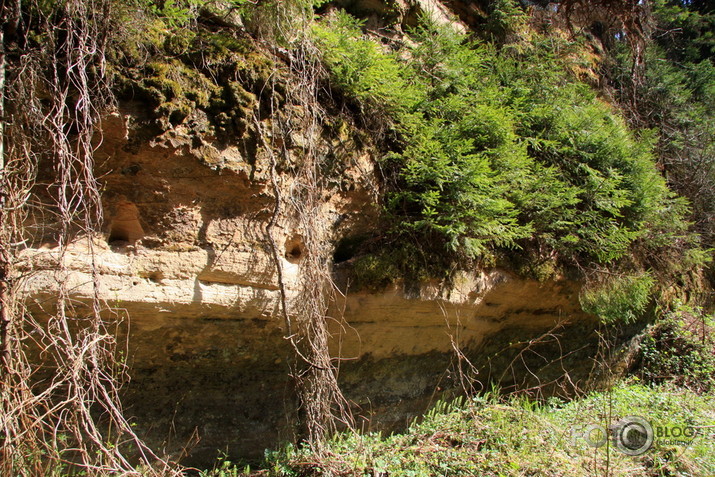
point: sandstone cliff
(186, 264)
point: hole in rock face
(295, 249)
(347, 248)
(125, 224)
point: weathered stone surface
(402, 13)
(208, 357)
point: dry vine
(617, 17)
(306, 314)
(59, 374)
(323, 399)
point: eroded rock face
(402, 13)
(186, 263)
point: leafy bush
(374, 80)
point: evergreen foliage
(501, 147)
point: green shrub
(498, 148)
(618, 299)
(372, 78)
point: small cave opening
(125, 225)
(347, 248)
(295, 249)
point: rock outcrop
(186, 266)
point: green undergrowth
(679, 349)
(493, 436)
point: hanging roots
(323, 405)
(59, 404)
